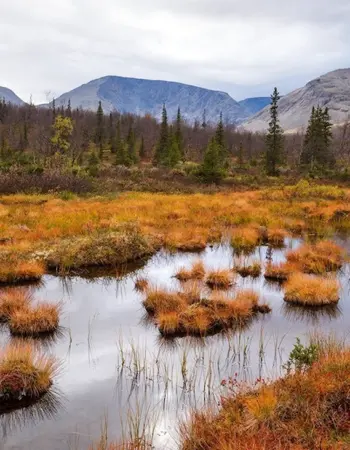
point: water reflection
(29, 412)
(311, 315)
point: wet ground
(117, 371)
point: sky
(245, 47)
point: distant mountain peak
(331, 90)
(141, 96)
(9, 96)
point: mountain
(331, 90)
(9, 96)
(255, 104)
(141, 96)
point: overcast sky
(244, 47)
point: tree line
(85, 142)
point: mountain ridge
(9, 96)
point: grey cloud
(244, 48)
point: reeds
(25, 372)
(159, 300)
(278, 271)
(310, 290)
(245, 239)
(141, 284)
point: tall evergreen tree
(220, 140)
(163, 142)
(173, 156)
(131, 145)
(178, 134)
(99, 129)
(274, 137)
(316, 152)
(121, 156)
(211, 169)
(69, 109)
(204, 121)
(142, 151)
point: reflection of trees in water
(311, 315)
(18, 415)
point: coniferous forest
(76, 150)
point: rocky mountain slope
(254, 104)
(331, 90)
(141, 96)
(9, 96)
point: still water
(118, 374)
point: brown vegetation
(310, 290)
(35, 320)
(196, 272)
(220, 279)
(278, 271)
(20, 271)
(14, 300)
(25, 372)
(306, 410)
(245, 239)
(141, 284)
(249, 270)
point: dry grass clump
(211, 315)
(245, 239)
(305, 410)
(311, 291)
(188, 239)
(35, 320)
(14, 300)
(278, 271)
(191, 291)
(159, 300)
(25, 372)
(325, 256)
(276, 237)
(249, 270)
(21, 271)
(196, 272)
(220, 279)
(141, 284)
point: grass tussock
(249, 270)
(35, 320)
(220, 279)
(14, 300)
(245, 239)
(309, 290)
(25, 372)
(306, 410)
(276, 237)
(141, 284)
(159, 300)
(196, 272)
(278, 271)
(21, 271)
(208, 316)
(322, 257)
(104, 249)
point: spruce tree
(240, 155)
(173, 156)
(178, 134)
(131, 144)
(220, 140)
(204, 121)
(274, 137)
(142, 151)
(121, 157)
(211, 169)
(99, 129)
(69, 109)
(162, 145)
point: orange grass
(276, 237)
(220, 279)
(279, 271)
(67, 233)
(14, 300)
(35, 320)
(245, 239)
(21, 271)
(24, 371)
(325, 256)
(141, 284)
(160, 300)
(196, 272)
(306, 410)
(249, 270)
(311, 291)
